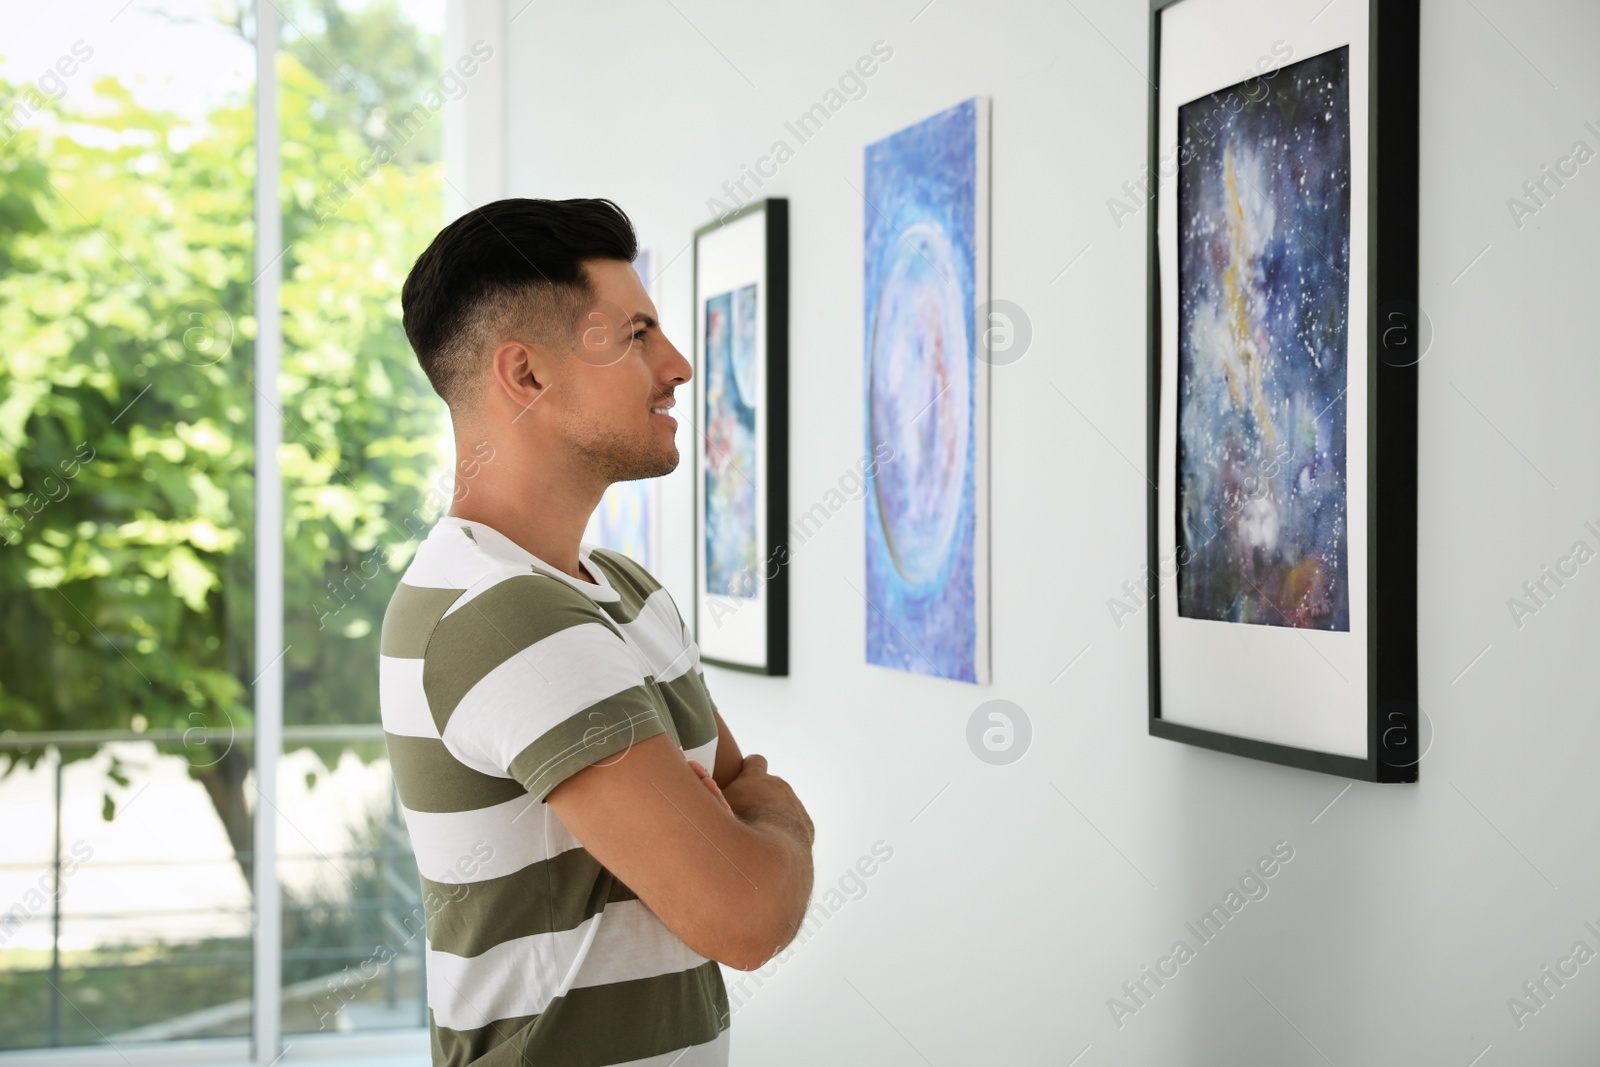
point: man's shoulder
(512, 611)
(636, 588)
(515, 672)
(470, 600)
(624, 570)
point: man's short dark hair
(510, 266)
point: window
(359, 103)
(181, 622)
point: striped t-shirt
(500, 677)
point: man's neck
(534, 506)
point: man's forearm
(777, 819)
(787, 890)
(774, 857)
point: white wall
(1008, 916)
(475, 122)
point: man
(547, 720)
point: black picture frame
(773, 472)
(1393, 332)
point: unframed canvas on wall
(1283, 382)
(927, 427)
(741, 302)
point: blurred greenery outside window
(127, 400)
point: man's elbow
(746, 913)
(745, 930)
(751, 942)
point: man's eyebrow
(644, 320)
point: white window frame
(266, 1023)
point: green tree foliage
(371, 61)
(127, 405)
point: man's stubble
(616, 455)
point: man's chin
(664, 465)
(669, 460)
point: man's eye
(639, 335)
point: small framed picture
(741, 422)
(1284, 339)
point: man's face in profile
(616, 390)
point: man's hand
(756, 795)
(709, 782)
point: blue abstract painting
(921, 396)
(731, 384)
(1263, 309)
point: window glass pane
(365, 461)
(126, 507)
(154, 928)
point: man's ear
(521, 372)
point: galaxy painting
(923, 583)
(1263, 237)
(731, 392)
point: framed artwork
(628, 519)
(1283, 350)
(927, 396)
(741, 404)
